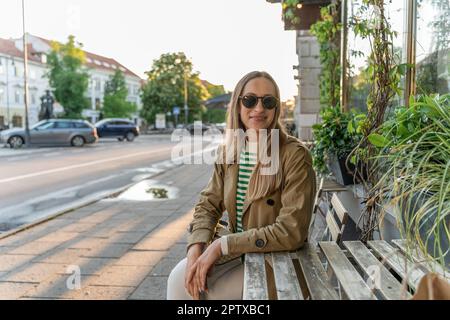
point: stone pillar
(307, 105)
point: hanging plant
(384, 74)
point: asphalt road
(36, 182)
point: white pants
(224, 283)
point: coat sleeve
(208, 210)
(291, 226)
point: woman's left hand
(205, 262)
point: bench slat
(398, 262)
(351, 282)
(286, 281)
(319, 285)
(341, 212)
(417, 256)
(389, 286)
(333, 226)
(255, 279)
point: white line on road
(87, 164)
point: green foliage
(115, 104)
(327, 30)
(214, 90)
(415, 157)
(165, 88)
(215, 115)
(68, 78)
(338, 134)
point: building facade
(12, 106)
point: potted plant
(414, 149)
(335, 137)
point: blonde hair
(260, 185)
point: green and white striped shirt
(246, 165)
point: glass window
(17, 96)
(45, 125)
(1, 65)
(358, 50)
(63, 125)
(432, 47)
(2, 93)
(80, 125)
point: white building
(12, 108)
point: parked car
(197, 127)
(52, 132)
(117, 128)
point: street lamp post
(25, 76)
(186, 110)
(8, 116)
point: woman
(268, 210)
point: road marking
(87, 164)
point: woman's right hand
(194, 252)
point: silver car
(52, 132)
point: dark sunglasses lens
(269, 102)
(249, 101)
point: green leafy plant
(414, 150)
(337, 134)
(327, 31)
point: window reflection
(432, 47)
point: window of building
(98, 84)
(1, 66)
(17, 121)
(432, 47)
(97, 62)
(2, 121)
(18, 96)
(2, 94)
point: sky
(224, 39)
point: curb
(80, 205)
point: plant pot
(337, 166)
(417, 201)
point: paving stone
(93, 266)
(102, 293)
(64, 256)
(152, 288)
(164, 267)
(122, 276)
(177, 251)
(85, 243)
(59, 236)
(10, 262)
(127, 237)
(78, 227)
(35, 248)
(33, 272)
(140, 258)
(60, 286)
(155, 243)
(14, 290)
(108, 250)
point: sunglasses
(250, 101)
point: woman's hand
(194, 252)
(199, 270)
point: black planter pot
(417, 201)
(337, 166)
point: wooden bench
(377, 271)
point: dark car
(52, 132)
(117, 128)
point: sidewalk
(122, 249)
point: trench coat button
(270, 202)
(259, 243)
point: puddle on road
(149, 190)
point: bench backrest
(336, 226)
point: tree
(67, 76)
(115, 104)
(165, 88)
